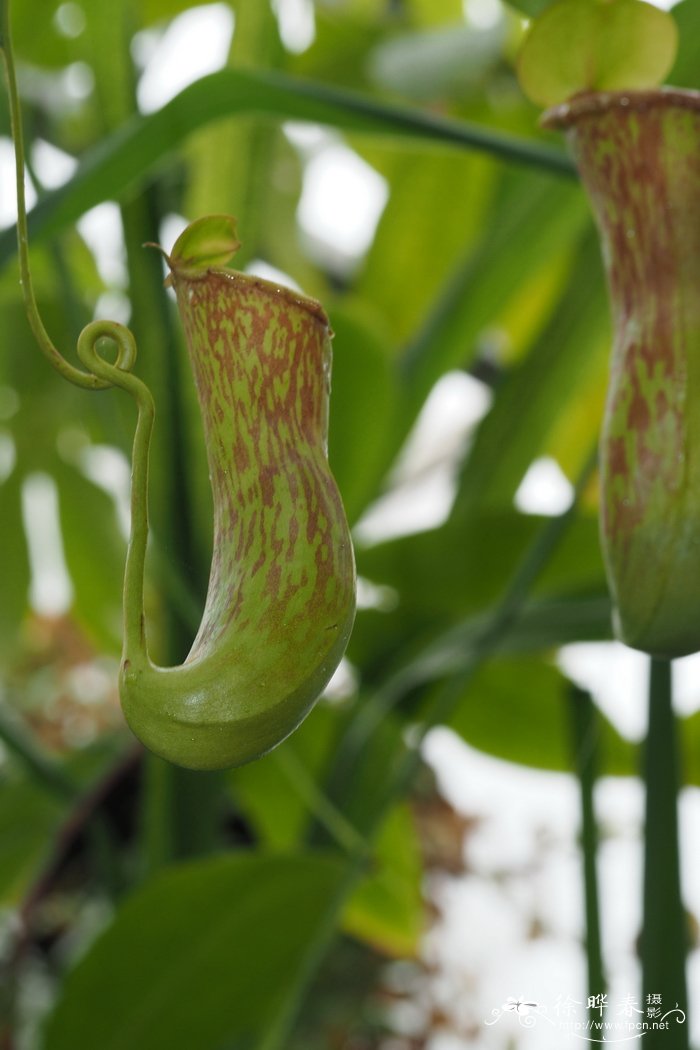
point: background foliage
(253, 909)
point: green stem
(665, 932)
(585, 733)
(68, 371)
(277, 1036)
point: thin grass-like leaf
(124, 159)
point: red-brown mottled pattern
(639, 158)
(282, 575)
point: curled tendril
(116, 333)
(118, 374)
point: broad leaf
(200, 954)
(518, 709)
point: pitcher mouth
(594, 103)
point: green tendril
(118, 374)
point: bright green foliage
(596, 45)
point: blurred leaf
(363, 399)
(151, 11)
(225, 158)
(39, 39)
(575, 429)
(458, 574)
(278, 813)
(533, 217)
(536, 394)
(340, 50)
(689, 734)
(95, 551)
(122, 160)
(29, 818)
(518, 709)
(434, 12)
(217, 944)
(358, 780)
(463, 567)
(387, 910)
(14, 563)
(445, 62)
(544, 624)
(685, 70)
(529, 8)
(437, 206)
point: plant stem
(665, 933)
(585, 732)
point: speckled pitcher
(638, 154)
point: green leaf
(200, 954)
(589, 45)
(532, 217)
(446, 62)
(462, 567)
(123, 160)
(543, 625)
(265, 790)
(517, 709)
(29, 818)
(685, 69)
(14, 565)
(387, 909)
(363, 400)
(530, 8)
(447, 582)
(539, 390)
(95, 551)
(689, 734)
(225, 158)
(434, 12)
(206, 243)
(438, 206)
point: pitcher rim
(594, 103)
